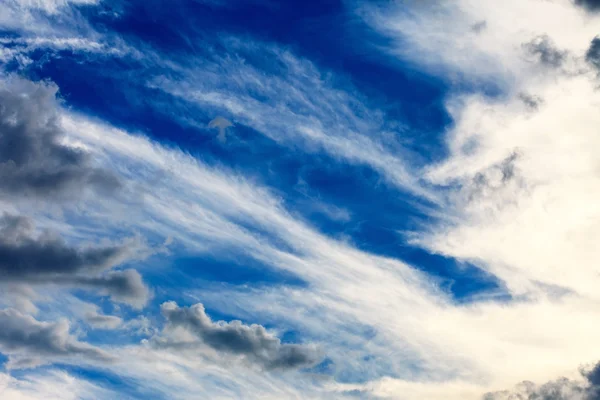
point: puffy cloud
(33, 160)
(48, 259)
(30, 342)
(252, 342)
(559, 389)
(25, 256)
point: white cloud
(52, 385)
(528, 178)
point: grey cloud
(33, 162)
(532, 102)
(590, 5)
(102, 321)
(495, 177)
(122, 286)
(253, 342)
(47, 259)
(593, 53)
(29, 342)
(587, 388)
(543, 48)
(222, 124)
(24, 256)
(479, 26)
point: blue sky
(326, 199)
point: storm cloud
(45, 258)
(33, 160)
(590, 5)
(592, 55)
(29, 342)
(587, 388)
(253, 342)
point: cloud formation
(102, 321)
(545, 50)
(221, 124)
(33, 161)
(29, 342)
(591, 5)
(47, 259)
(559, 389)
(252, 342)
(593, 53)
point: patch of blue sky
(3, 361)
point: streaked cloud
(30, 343)
(515, 195)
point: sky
(334, 199)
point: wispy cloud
(30, 343)
(295, 105)
(384, 327)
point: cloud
(29, 342)
(33, 161)
(295, 105)
(544, 49)
(24, 256)
(479, 27)
(102, 321)
(590, 5)
(252, 342)
(221, 124)
(122, 286)
(559, 389)
(48, 6)
(48, 259)
(52, 385)
(407, 323)
(593, 53)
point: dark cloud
(593, 54)
(479, 26)
(588, 388)
(122, 286)
(532, 102)
(46, 258)
(24, 256)
(547, 54)
(253, 342)
(29, 342)
(590, 5)
(33, 162)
